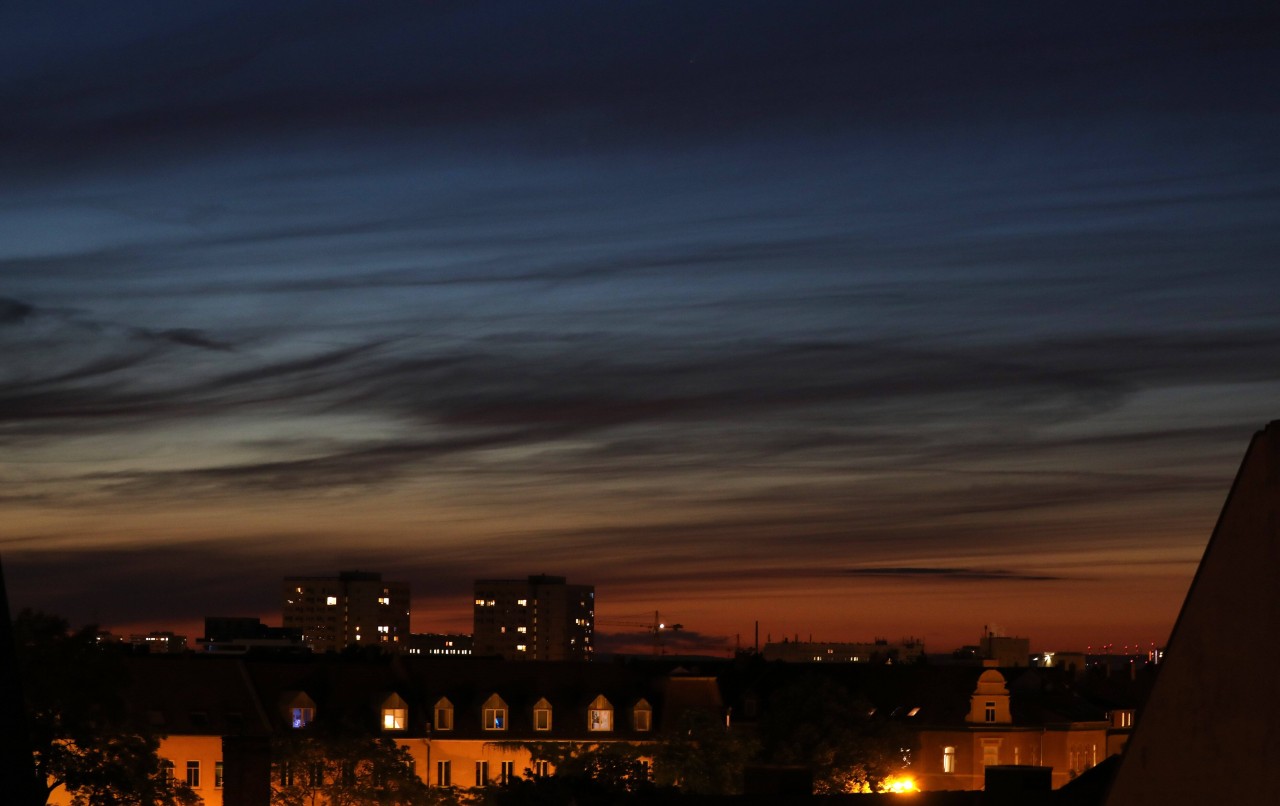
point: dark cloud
(610, 72)
(665, 293)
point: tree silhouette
(80, 732)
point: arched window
(948, 759)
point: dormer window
(395, 713)
(298, 709)
(494, 712)
(444, 714)
(600, 715)
(542, 715)
(642, 717)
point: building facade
(538, 618)
(353, 608)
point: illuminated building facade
(538, 618)
(355, 607)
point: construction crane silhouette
(656, 628)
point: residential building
(353, 608)
(445, 644)
(158, 641)
(239, 634)
(907, 650)
(467, 722)
(539, 618)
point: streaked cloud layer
(858, 320)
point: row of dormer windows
(301, 712)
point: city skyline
(852, 321)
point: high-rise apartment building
(355, 607)
(539, 618)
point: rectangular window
(193, 774)
(990, 752)
(444, 719)
(286, 774)
(301, 717)
(991, 712)
(600, 719)
(331, 600)
(394, 718)
(542, 768)
(315, 774)
(642, 719)
(495, 719)
(219, 776)
(542, 719)
(166, 769)
(948, 759)
(444, 773)
(482, 773)
(507, 772)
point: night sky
(856, 318)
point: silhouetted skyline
(852, 319)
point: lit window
(522, 629)
(495, 719)
(218, 775)
(301, 717)
(948, 759)
(193, 774)
(479, 602)
(383, 629)
(507, 773)
(482, 773)
(522, 602)
(444, 773)
(384, 600)
(331, 600)
(394, 718)
(600, 715)
(521, 648)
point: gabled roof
(1208, 732)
